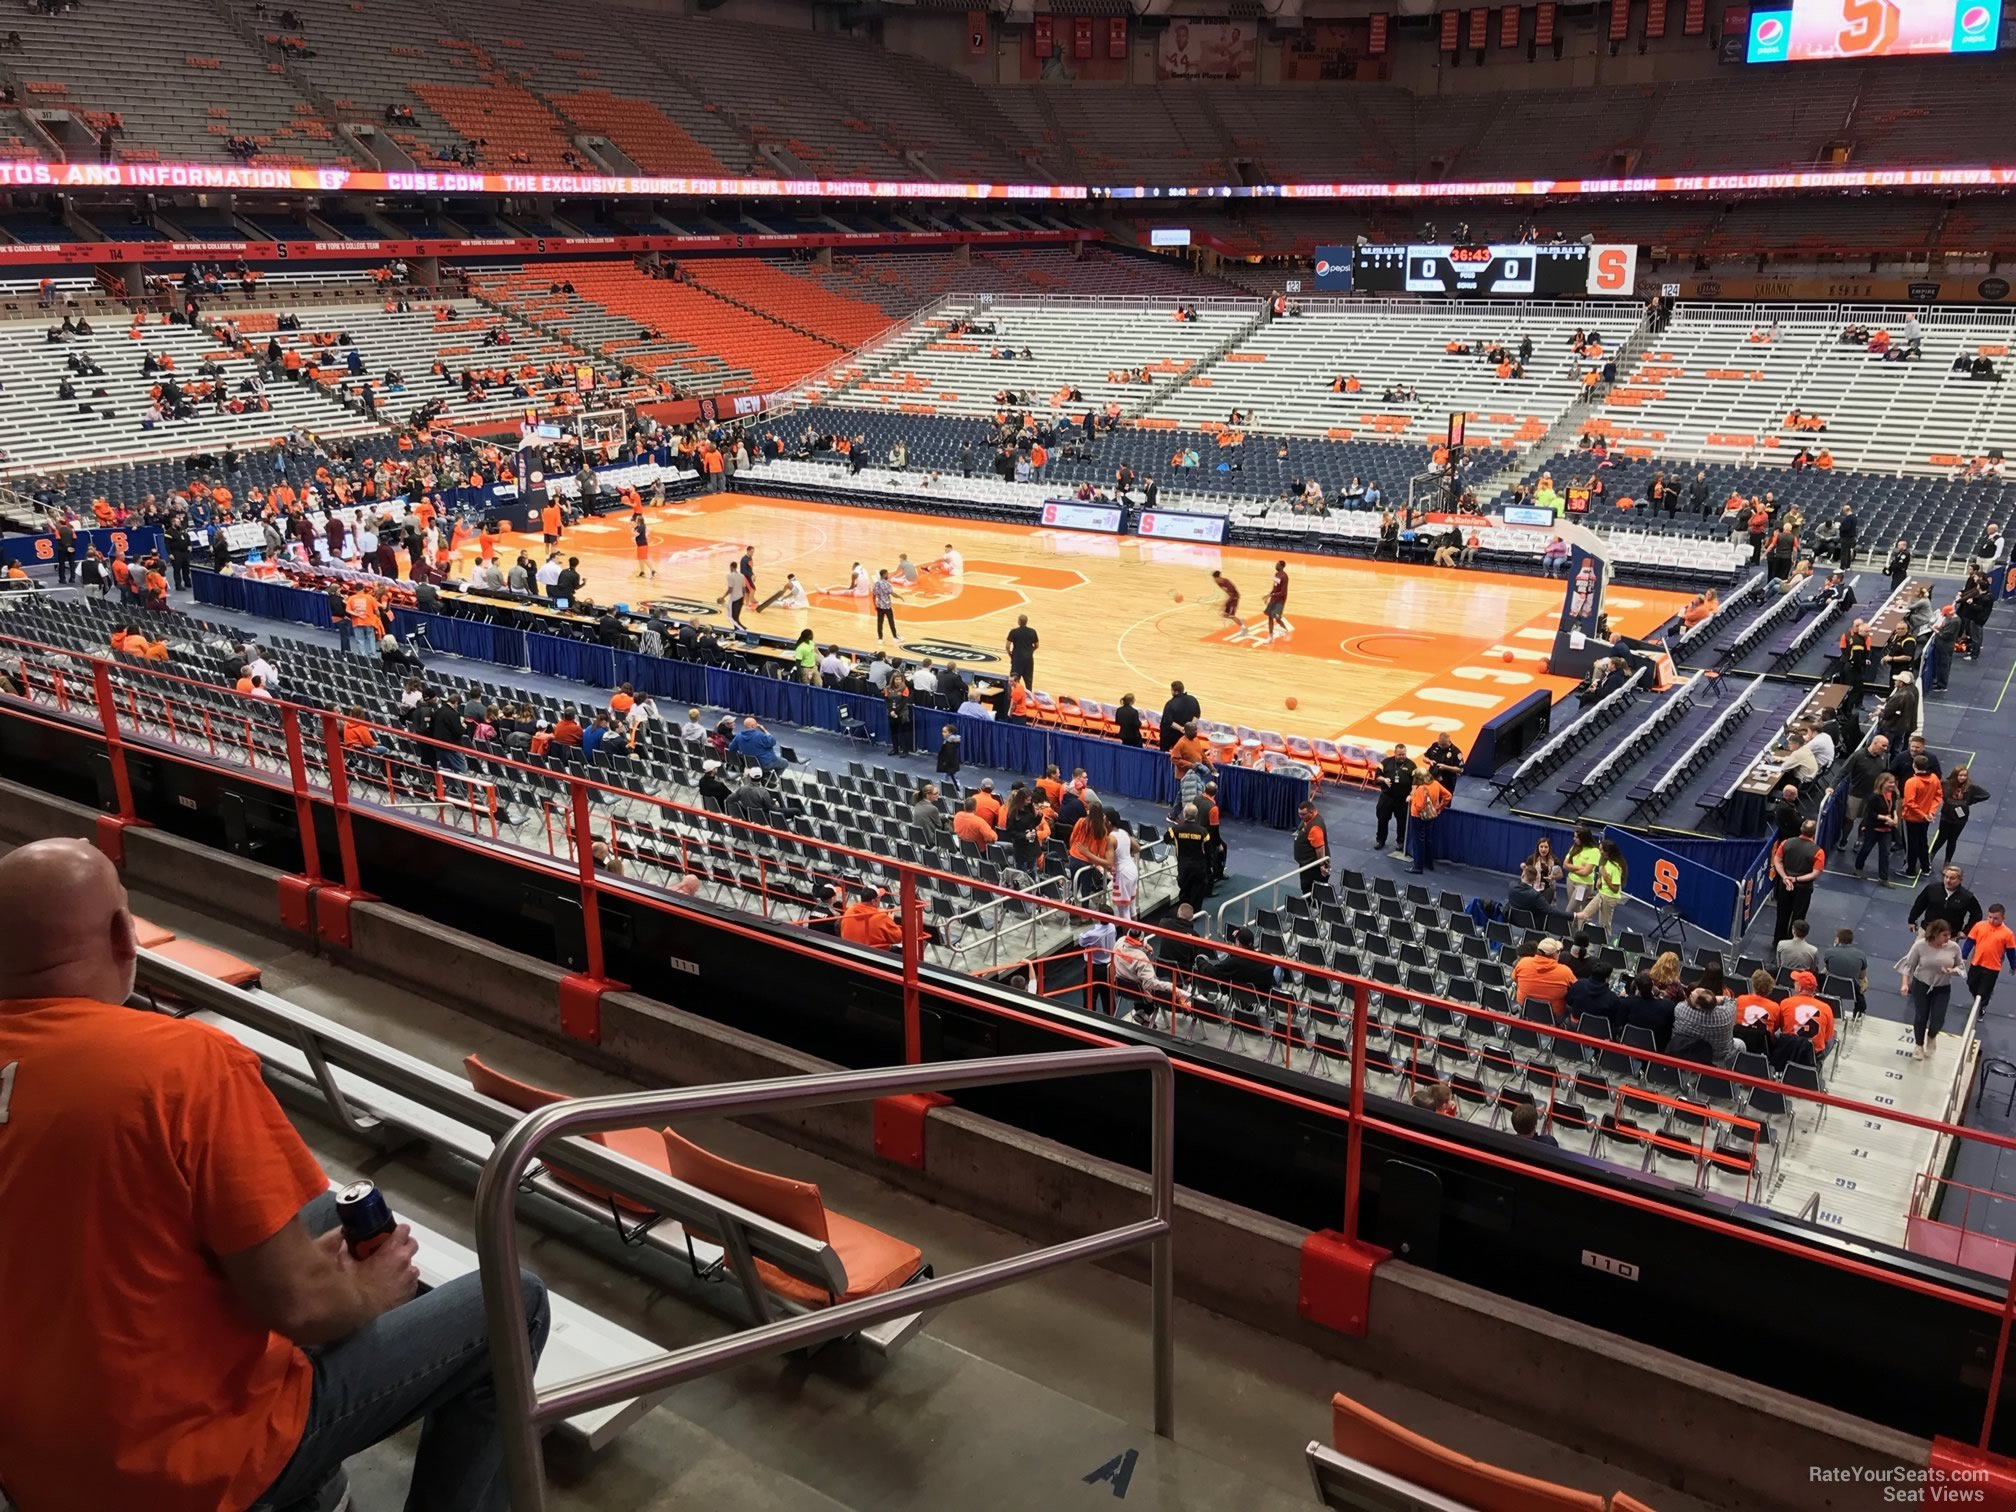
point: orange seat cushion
(875, 1262)
(1376, 1441)
(640, 1145)
(1619, 1502)
(148, 935)
(211, 962)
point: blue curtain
(1730, 857)
(662, 677)
(472, 639)
(790, 702)
(575, 661)
(1493, 841)
(300, 606)
(1125, 771)
(1267, 798)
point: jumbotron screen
(1519, 271)
(1819, 30)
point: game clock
(1521, 271)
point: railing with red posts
(298, 752)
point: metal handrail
(1267, 886)
(522, 1406)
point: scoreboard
(1824, 30)
(1519, 271)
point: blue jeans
(429, 1358)
(1421, 840)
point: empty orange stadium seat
(640, 1145)
(150, 936)
(1621, 1502)
(875, 1262)
(1376, 1441)
(217, 964)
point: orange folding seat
(1365, 1436)
(875, 1262)
(640, 1145)
(210, 961)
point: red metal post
(1354, 1131)
(115, 743)
(2001, 1359)
(913, 950)
(591, 894)
(304, 808)
(333, 757)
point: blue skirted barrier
(40, 550)
(1120, 771)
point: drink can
(366, 1220)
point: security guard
(1396, 781)
(1192, 838)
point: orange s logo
(1871, 30)
(1665, 881)
(45, 549)
(118, 540)
(1612, 270)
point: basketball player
(905, 572)
(748, 568)
(640, 532)
(1277, 603)
(792, 595)
(952, 564)
(857, 584)
(1230, 608)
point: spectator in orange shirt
(986, 805)
(1993, 940)
(970, 827)
(179, 1379)
(1189, 749)
(357, 734)
(1923, 796)
(1051, 785)
(868, 923)
(1803, 1013)
(1543, 977)
(622, 701)
(567, 729)
(1757, 1016)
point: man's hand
(388, 1275)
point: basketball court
(1378, 652)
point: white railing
(1737, 709)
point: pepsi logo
(1974, 21)
(1770, 31)
(1322, 266)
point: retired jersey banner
(1043, 36)
(1508, 27)
(1081, 36)
(1207, 50)
(1116, 36)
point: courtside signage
(1067, 514)
(1181, 527)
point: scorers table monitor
(1519, 271)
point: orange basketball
(1291, 701)
(1177, 597)
(1507, 656)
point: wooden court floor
(1378, 653)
